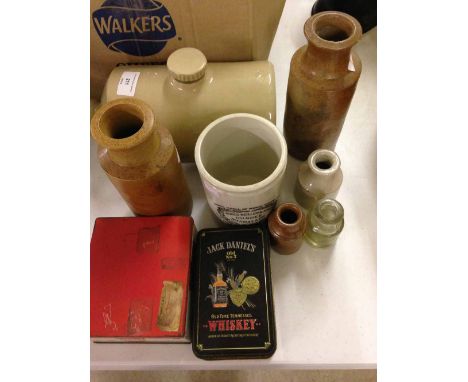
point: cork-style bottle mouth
(122, 124)
(289, 214)
(332, 30)
(324, 162)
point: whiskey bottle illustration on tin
(237, 287)
(219, 296)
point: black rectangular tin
(236, 328)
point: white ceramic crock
(241, 159)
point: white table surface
(325, 300)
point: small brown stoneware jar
(322, 79)
(286, 225)
(140, 158)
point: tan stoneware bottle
(140, 158)
(322, 80)
(286, 225)
(189, 93)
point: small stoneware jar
(319, 177)
(324, 223)
(140, 159)
(286, 225)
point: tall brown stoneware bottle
(140, 158)
(322, 79)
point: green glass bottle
(324, 223)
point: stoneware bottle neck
(321, 170)
(286, 226)
(330, 36)
(323, 163)
(127, 129)
(137, 155)
(288, 221)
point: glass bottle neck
(327, 216)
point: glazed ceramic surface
(286, 225)
(189, 93)
(322, 80)
(140, 159)
(318, 177)
(241, 159)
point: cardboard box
(139, 31)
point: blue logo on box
(135, 27)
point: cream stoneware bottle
(188, 93)
(318, 177)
